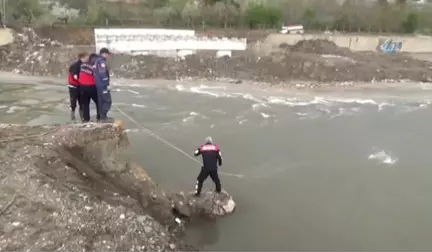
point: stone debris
(48, 204)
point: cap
(104, 50)
(208, 140)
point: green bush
(260, 16)
(411, 23)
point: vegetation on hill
(348, 15)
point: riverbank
(310, 62)
(75, 187)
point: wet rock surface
(208, 204)
(74, 188)
(314, 61)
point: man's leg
(95, 99)
(202, 176)
(215, 177)
(104, 96)
(100, 104)
(85, 102)
(73, 96)
(79, 104)
(108, 102)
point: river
(327, 170)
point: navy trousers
(104, 102)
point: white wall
(155, 41)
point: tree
(259, 15)
(98, 13)
(226, 12)
(190, 14)
(164, 15)
(411, 22)
(29, 10)
(309, 16)
(80, 5)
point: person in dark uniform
(102, 77)
(73, 84)
(88, 89)
(211, 157)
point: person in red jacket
(88, 89)
(73, 84)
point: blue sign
(390, 46)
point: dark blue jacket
(101, 72)
(211, 156)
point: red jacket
(86, 76)
(74, 70)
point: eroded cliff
(74, 188)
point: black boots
(72, 115)
(81, 114)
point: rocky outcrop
(74, 187)
(209, 204)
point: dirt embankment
(314, 61)
(74, 188)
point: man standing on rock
(212, 157)
(73, 81)
(102, 78)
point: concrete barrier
(6, 36)
(164, 41)
(390, 44)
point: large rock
(74, 187)
(209, 204)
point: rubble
(74, 188)
(317, 61)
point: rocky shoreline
(74, 188)
(318, 62)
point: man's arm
(102, 71)
(219, 157)
(197, 152)
(75, 69)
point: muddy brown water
(334, 171)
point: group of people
(89, 80)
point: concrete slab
(6, 36)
